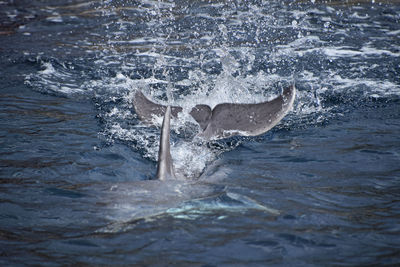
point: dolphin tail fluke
(165, 168)
(146, 109)
(226, 119)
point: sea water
(321, 188)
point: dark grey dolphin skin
(165, 168)
(146, 109)
(226, 119)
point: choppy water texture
(321, 188)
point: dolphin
(167, 194)
(226, 119)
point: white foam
(396, 32)
(49, 69)
(371, 51)
(357, 16)
(138, 41)
(54, 79)
(365, 51)
(190, 159)
(336, 52)
(12, 16)
(55, 18)
(375, 87)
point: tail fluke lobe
(165, 168)
(230, 119)
(146, 109)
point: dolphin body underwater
(225, 120)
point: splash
(188, 53)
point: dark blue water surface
(322, 188)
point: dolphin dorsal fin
(165, 168)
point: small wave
(58, 78)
